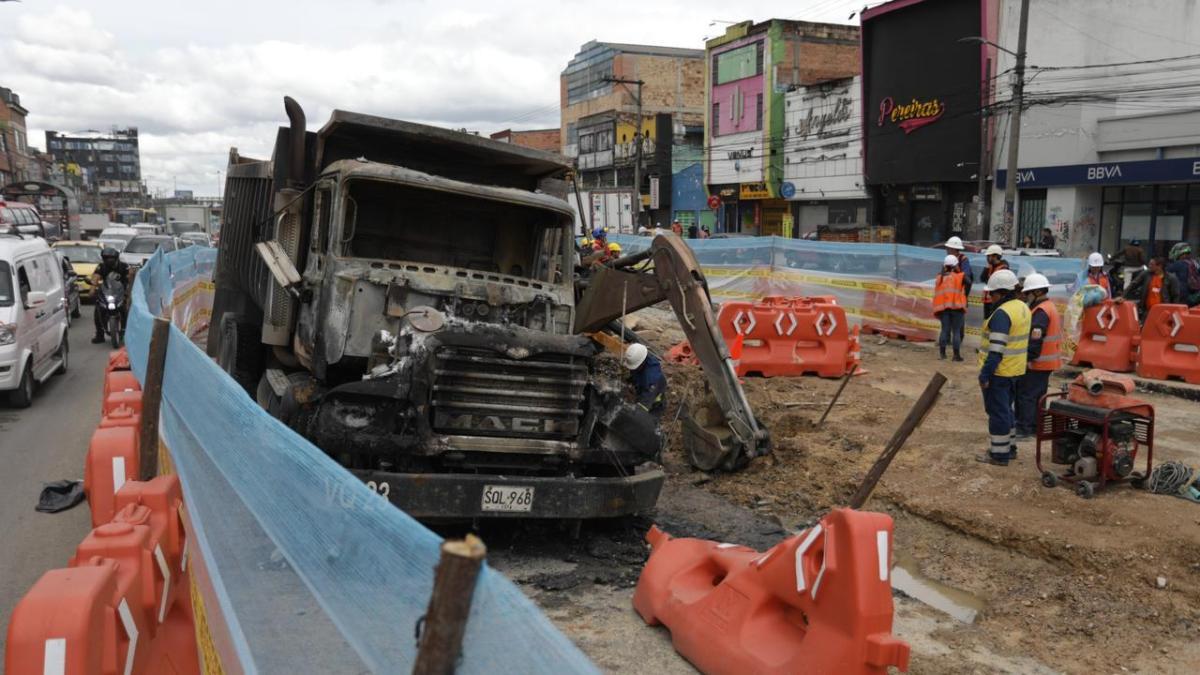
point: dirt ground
(1062, 584)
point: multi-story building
(925, 83)
(749, 71)
(108, 166)
(538, 139)
(1108, 154)
(17, 162)
(600, 128)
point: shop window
(1112, 194)
(716, 119)
(1135, 222)
(1032, 215)
(1110, 229)
(1139, 193)
(758, 114)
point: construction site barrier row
(884, 288)
(779, 336)
(294, 565)
(1166, 346)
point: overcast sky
(199, 77)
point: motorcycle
(111, 299)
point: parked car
(84, 257)
(33, 317)
(70, 288)
(140, 248)
(194, 239)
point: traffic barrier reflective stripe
(111, 461)
(783, 336)
(1109, 337)
(731, 609)
(1170, 344)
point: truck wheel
(241, 351)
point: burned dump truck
(404, 296)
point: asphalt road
(39, 444)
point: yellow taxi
(84, 257)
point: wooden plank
(440, 642)
(156, 363)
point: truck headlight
(8, 334)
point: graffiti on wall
(1060, 227)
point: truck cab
(424, 338)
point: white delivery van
(33, 317)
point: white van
(33, 317)
(116, 233)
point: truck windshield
(6, 287)
(396, 222)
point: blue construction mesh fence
(301, 567)
(886, 286)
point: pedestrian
(950, 307)
(1152, 287)
(1183, 267)
(1027, 242)
(1006, 338)
(693, 231)
(677, 228)
(995, 263)
(1095, 273)
(1134, 256)
(599, 240)
(1043, 356)
(1047, 241)
(954, 247)
(704, 233)
(649, 383)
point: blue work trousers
(998, 403)
(952, 330)
(1030, 388)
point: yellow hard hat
(614, 247)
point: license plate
(509, 498)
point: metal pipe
(298, 126)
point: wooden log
(440, 641)
(837, 394)
(156, 363)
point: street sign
(714, 202)
(787, 190)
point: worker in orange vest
(1095, 273)
(995, 263)
(1044, 355)
(950, 306)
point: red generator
(1096, 430)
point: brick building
(601, 131)
(17, 162)
(538, 139)
(108, 167)
(750, 70)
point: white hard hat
(1002, 280)
(1035, 282)
(635, 356)
(954, 242)
(1095, 260)
(951, 260)
(994, 249)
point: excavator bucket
(722, 433)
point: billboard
(922, 91)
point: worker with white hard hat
(1044, 355)
(995, 263)
(649, 383)
(950, 306)
(1002, 358)
(1095, 273)
(954, 247)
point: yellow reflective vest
(1013, 345)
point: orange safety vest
(992, 269)
(948, 292)
(1102, 281)
(1051, 356)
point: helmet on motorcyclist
(1095, 260)
(1035, 282)
(109, 254)
(1002, 280)
(1180, 249)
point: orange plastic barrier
(157, 504)
(118, 360)
(1170, 344)
(118, 380)
(682, 353)
(818, 602)
(111, 461)
(1108, 337)
(121, 416)
(788, 336)
(127, 398)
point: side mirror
(35, 299)
(280, 265)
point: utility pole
(981, 208)
(637, 150)
(1014, 139)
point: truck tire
(241, 351)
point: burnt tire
(241, 351)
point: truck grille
(479, 393)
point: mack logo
(1103, 172)
(503, 423)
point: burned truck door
(317, 265)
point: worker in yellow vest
(1003, 350)
(950, 306)
(1044, 355)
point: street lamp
(985, 41)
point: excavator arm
(726, 435)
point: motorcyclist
(109, 262)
